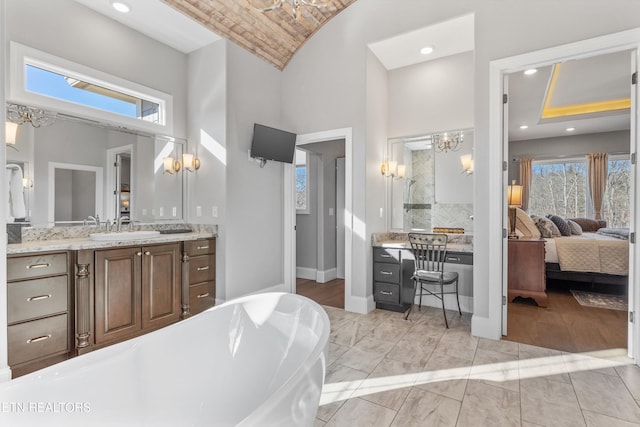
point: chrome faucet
(119, 222)
(94, 219)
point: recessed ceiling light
(426, 50)
(530, 72)
(523, 127)
(570, 129)
(120, 6)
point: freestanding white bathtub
(254, 361)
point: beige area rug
(594, 299)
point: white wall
(5, 373)
(326, 89)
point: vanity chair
(429, 277)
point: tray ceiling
(273, 36)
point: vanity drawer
(29, 267)
(38, 338)
(386, 292)
(383, 272)
(201, 297)
(459, 258)
(200, 247)
(202, 268)
(35, 298)
(386, 255)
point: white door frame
(626, 40)
(290, 210)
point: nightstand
(526, 270)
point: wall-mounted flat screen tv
(273, 144)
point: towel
(16, 208)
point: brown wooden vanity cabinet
(38, 311)
(199, 275)
(137, 289)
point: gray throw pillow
(575, 227)
(547, 228)
(562, 225)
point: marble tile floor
(385, 371)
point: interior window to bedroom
(560, 187)
(302, 182)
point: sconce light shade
(171, 165)
(190, 162)
(11, 130)
(402, 170)
(467, 163)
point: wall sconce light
(171, 165)
(401, 171)
(467, 163)
(10, 133)
(391, 168)
(190, 162)
(514, 199)
(27, 183)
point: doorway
(628, 40)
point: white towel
(16, 192)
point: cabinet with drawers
(198, 276)
(38, 310)
(392, 284)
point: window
(302, 182)
(560, 187)
(49, 82)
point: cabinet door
(117, 294)
(160, 285)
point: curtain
(597, 170)
(525, 180)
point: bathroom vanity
(67, 297)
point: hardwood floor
(566, 325)
(330, 293)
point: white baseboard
(361, 305)
(326, 276)
(466, 303)
(483, 327)
(5, 374)
(306, 273)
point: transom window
(560, 187)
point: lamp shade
(467, 163)
(11, 130)
(514, 197)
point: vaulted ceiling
(274, 36)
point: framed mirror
(427, 185)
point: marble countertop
(87, 243)
(451, 247)
(456, 243)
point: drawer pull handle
(386, 293)
(206, 267)
(206, 294)
(385, 256)
(453, 259)
(39, 297)
(202, 247)
(386, 273)
(45, 265)
(38, 339)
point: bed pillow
(562, 225)
(525, 227)
(589, 225)
(576, 230)
(547, 228)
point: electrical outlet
(198, 210)
(174, 211)
(214, 211)
(381, 212)
(161, 211)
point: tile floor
(385, 371)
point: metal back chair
(429, 251)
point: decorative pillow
(575, 227)
(562, 225)
(525, 227)
(589, 225)
(547, 228)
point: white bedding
(551, 252)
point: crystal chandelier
(296, 6)
(448, 141)
(21, 114)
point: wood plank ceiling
(274, 36)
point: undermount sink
(125, 235)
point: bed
(580, 250)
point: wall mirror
(427, 184)
(72, 168)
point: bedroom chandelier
(448, 141)
(296, 6)
(21, 114)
